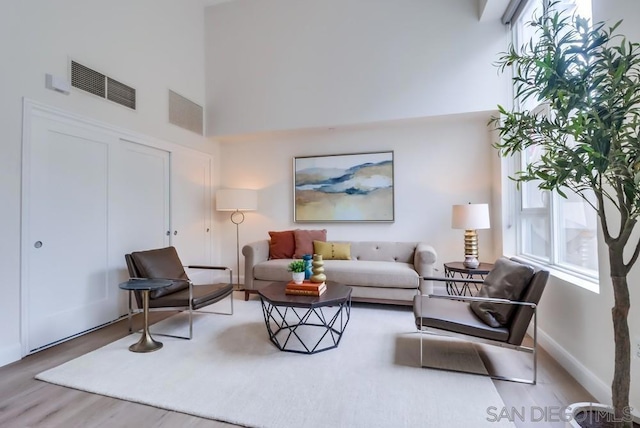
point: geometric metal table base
(453, 268)
(306, 330)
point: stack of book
(307, 288)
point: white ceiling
(488, 10)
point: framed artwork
(354, 187)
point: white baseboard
(10, 353)
(595, 386)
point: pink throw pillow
(304, 241)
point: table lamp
(238, 201)
(470, 217)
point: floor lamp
(238, 201)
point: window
(560, 232)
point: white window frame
(583, 277)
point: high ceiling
(488, 10)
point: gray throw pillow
(507, 280)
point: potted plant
(589, 77)
(297, 267)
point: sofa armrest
(254, 253)
(424, 261)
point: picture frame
(353, 187)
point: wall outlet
(635, 350)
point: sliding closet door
(191, 202)
(139, 204)
(91, 194)
(65, 235)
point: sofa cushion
(348, 272)
(507, 280)
(382, 251)
(332, 250)
(304, 240)
(372, 274)
(272, 270)
(282, 245)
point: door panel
(89, 197)
(139, 204)
(191, 204)
(68, 288)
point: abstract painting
(343, 188)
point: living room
(282, 79)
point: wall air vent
(87, 79)
(185, 113)
(96, 83)
(121, 93)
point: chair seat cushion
(454, 316)
(203, 295)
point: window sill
(587, 283)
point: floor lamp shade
(237, 201)
(470, 217)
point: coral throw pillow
(332, 250)
(282, 245)
(304, 240)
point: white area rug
(231, 372)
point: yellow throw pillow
(332, 250)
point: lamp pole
(237, 218)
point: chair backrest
(158, 263)
(523, 314)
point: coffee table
(305, 324)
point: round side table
(453, 269)
(146, 342)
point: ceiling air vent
(185, 113)
(96, 83)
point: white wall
(292, 64)
(438, 162)
(152, 45)
(577, 323)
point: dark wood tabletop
(482, 269)
(274, 293)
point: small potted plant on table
(297, 267)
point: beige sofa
(379, 272)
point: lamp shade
(236, 200)
(470, 216)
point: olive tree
(589, 77)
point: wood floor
(26, 402)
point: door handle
(38, 244)
(175, 232)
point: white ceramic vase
(298, 277)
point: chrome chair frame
(133, 311)
(441, 332)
